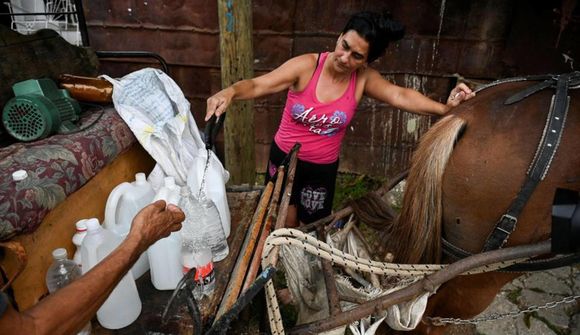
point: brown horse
(466, 172)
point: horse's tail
(416, 235)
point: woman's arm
(410, 100)
(281, 78)
(67, 310)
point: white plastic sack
(407, 315)
(158, 113)
(404, 316)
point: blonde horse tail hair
(416, 235)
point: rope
(296, 238)
(316, 247)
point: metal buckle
(511, 219)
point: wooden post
(237, 59)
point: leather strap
(456, 253)
(528, 91)
(539, 166)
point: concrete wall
(446, 39)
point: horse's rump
(481, 177)
(489, 164)
(483, 173)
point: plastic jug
(77, 240)
(124, 202)
(214, 185)
(164, 254)
(123, 305)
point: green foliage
(351, 186)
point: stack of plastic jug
(61, 273)
(77, 240)
(124, 202)
(123, 305)
(164, 254)
(196, 244)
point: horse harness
(537, 170)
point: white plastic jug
(77, 240)
(123, 305)
(164, 255)
(215, 184)
(124, 202)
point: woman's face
(351, 52)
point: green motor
(38, 110)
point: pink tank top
(319, 127)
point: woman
(323, 92)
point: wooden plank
(241, 265)
(242, 206)
(237, 61)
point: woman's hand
(217, 103)
(459, 94)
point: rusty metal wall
(445, 39)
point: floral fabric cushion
(56, 166)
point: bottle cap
(81, 225)
(59, 253)
(140, 178)
(92, 224)
(19, 175)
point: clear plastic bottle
(205, 275)
(216, 236)
(77, 240)
(195, 249)
(61, 273)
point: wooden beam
(237, 56)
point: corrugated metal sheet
(474, 39)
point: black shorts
(313, 189)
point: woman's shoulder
(368, 75)
(305, 60)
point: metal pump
(38, 110)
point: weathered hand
(459, 94)
(217, 103)
(154, 222)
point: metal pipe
(428, 284)
(134, 54)
(82, 22)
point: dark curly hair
(377, 29)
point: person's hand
(217, 103)
(155, 222)
(459, 94)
